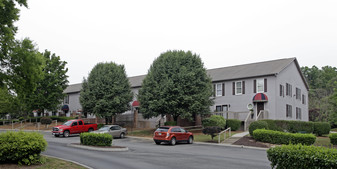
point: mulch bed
(249, 141)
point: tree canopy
(107, 90)
(322, 93)
(25, 69)
(176, 84)
(9, 13)
(50, 87)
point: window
(289, 91)
(303, 99)
(176, 130)
(289, 111)
(219, 89)
(80, 123)
(74, 124)
(238, 88)
(298, 93)
(260, 85)
(66, 99)
(298, 113)
(218, 108)
(282, 90)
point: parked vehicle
(73, 127)
(114, 130)
(172, 135)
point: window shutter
(223, 89)
(243, 87)
(265, 85)
(254, 86)
(214, 90)
(233, 88)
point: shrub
(300, 126)
(212, 131)
(100, 125)
(170, 123)
(257, 125)
(21, 147)
(333, 138)
(321, 128)
(46, 120)
(300, 156)
(214, 120)
(279, 137)
(234, 124)
(96, 139)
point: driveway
(144, 153)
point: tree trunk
(175, 118)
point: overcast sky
(224, 33)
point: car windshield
(105, 128)
(163, 129)
(68, 123)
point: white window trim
(216, 89)
(257, 85)
(236, 89)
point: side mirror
(186, 131)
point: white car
(113, 130)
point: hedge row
(234, 124)
(96, 139)
(301, 156)
(214, 120)
(21, 147)
(333, 138)
(317, 128)
(279, 137)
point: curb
(99, 148)
(230, 145)
(85, 166)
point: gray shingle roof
(267, 68)
(74, 88)
(249, 70)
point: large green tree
(50, 87)
(176, 84)
(9, 13)
(322, 102)
(107, 91)
(6, 101)
(25, 70)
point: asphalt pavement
(144, 153)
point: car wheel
(90, 130)
(173, 141)
(157, 142)
(122, 135)
(190, 140)
(66, 134)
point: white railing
(225, 133)
(246, 120)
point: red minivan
(172, 135)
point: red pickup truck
(73, 127)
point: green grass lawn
(322, 141)
(142, 133)
(51, 163)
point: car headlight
(167, 134)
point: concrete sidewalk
(235, 138)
